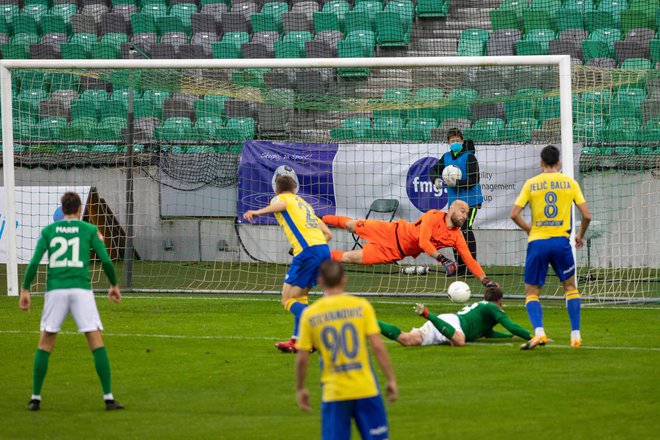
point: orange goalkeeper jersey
(430, 233)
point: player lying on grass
(388, 242)
(69, 290)
(467, 325)
(309, 238)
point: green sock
(102, 364)
(389, 331)
(40, 369)
(445, 328)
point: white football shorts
(79, 302)
(432, 336)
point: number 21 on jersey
(58, 256)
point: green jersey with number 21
(68, 243)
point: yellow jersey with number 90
(338, 326)
(550, 197)
(300, 224)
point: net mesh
(204, 144)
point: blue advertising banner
(312, 164)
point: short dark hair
(550, 155)
(331, 273)
(285, 184)
(454, 132)
(70, 203)
(493, 294)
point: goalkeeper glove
(421, 310)
(488, 283)
(450, 266)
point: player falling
(69, 290)
(388, 242)
(550, 196)
(309, 238)
(467, 325)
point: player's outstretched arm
(277, 206)
(380, 353)
(586, 219)
(302, 394)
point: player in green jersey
(69, 290)
(467, 325)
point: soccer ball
(451, 174)
(286, 170)
(458, 292)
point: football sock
(40, 369)
(443, 327)
(535, 312)
(102, 364)
(390, 331)
(573, 307)
(296, 307)
(337, 255)
(336, 220)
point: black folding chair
(380, 206)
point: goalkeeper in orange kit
(388, 242)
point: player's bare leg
(535, 312)
(44, 349)
(573, 304)
(102, 365)
(348, 257)
(294, 300)
(456, 338)
(410, 339)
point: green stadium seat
(114, 39)
(398, 97)
(156, 10)
(230, 46)
(548, 108)
(588, 128)
(606, 35)
(170, 24)
(388, 129)
(249, 77)
(14, 51)
(33, 95)
(53, 23)
(520, 108)
(184, 11)
(651, 131)
(24, 24)
(114, 124)
(147, 108)
(404, 8)
(632, 94)
(355, 21)
(353, 128)
(537, 19)
(622, 129)
(326, 21)
(519, 130)
(353, 49)
(9, 11)
(543, 36)
(631, 19)
(210, 107)
(517, 6)
(470, 48)
(366, 38)
(24, 39)
(475, 34)
(35, 10)
(625, 109)
(430, 95)
(96, 97)
(579, 5)
(596, 49)
(63, 81)
(85, 40)
(65, 10)
(463, 94)
(500, 19)
(176, 129)
(550, 6)
(654, 47)
(391, 31)
(113, 109)
(4, 27)
(104, 51)
(614, 7)
(526, 47)
(595, 20)
(49, 128)
(485, 130)
(453, 112)
(569, 19)
(209, 126)
(263, 22)
(637, 64)
(337, 7)
(143, 23)
(238, 129)
(418, 130)
(432, 8)
(289, 49)
(84, 109)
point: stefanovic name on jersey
(353, 312)
(66, 229)
(542, 186)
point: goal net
(169, 156)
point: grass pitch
(205, 367)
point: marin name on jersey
(66, 229)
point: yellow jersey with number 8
(550, 197)
(338, 326)
(300, 224)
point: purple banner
(312, 164)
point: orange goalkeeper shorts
(382, 241)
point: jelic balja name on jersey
(66, 229)
(553, 185)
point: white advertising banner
(36, 208)
(365, 172)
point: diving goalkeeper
(469, 324)
(388, 242)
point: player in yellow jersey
(309, 238)
(551, 196)
(342, 326)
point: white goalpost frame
(562, 61)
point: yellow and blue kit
(551, 197)
(338, 326)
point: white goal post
(562, 62)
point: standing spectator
(466, 188)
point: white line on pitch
(265, 338)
